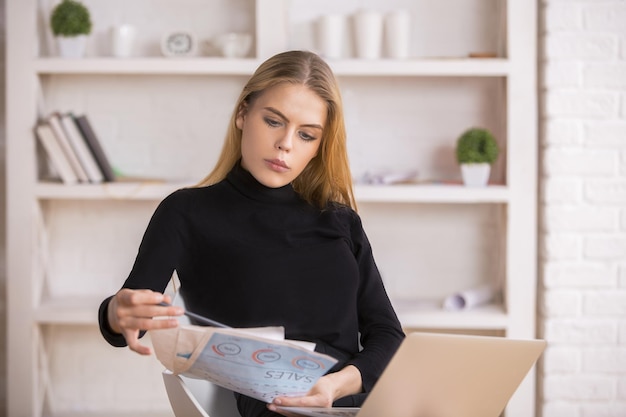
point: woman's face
(281, 133)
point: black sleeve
(156, 259)
(381, 332)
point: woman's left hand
(327, 389)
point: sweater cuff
(114, 339)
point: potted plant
(476, 150)
(71, 23)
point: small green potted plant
(70, 22)
(476, 150)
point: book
(57, 157)
(54, 120)
(80, 147)
(94, 145)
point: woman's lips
(276, 165)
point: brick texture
(3, 381)
(583, 208)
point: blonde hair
(327, 177)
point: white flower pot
(475, 175)
(72, 46)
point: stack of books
(73, 149)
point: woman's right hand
(131, 311)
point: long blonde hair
(327, 177)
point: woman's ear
(241, 114)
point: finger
(146, 323)
(294, 402)
(314, 400)
(132, 340)
(128, 297)
(272, 407)
(152, 310)
(143, 303)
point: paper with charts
(256, 362)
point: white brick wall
(2, 222)
(583, 208)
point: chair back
(198, 398)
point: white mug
(368, 34)
(123, 40)
(398, 34)
(330, 31)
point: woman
(271, 237)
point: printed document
(257, 362)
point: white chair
(198, 398)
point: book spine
(79, 145)
(46, 137)
(60, 135)
(94, 144)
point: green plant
(476, 145)
(70, 18)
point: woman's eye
(306, 136)
(272, 122)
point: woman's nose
(285, 142)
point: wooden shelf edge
(469, 67)
(156, 413)
(140, 190)
(431, 193)
(487, 317)
(364, 193)
(71, 310)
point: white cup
(123, 40)
(330, 31)
(368, 34)
(398, 34)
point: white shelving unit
(490, 233)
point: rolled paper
(469, 298)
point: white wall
(583, 208)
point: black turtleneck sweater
(248, 255)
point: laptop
(445, 375)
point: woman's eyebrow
(282, 116)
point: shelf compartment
(471, 67)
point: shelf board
(145, 190)
(163, 413)
(460, 67)
(429, 316)
(83, 310)
(436, 67)
(75, 310)
(146, 66)
(364, 193)
(431, 193)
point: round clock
(178, 43)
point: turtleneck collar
(246, 184)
